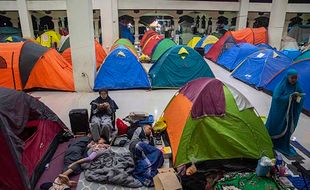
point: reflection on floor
(155, 101)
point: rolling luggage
(79, 121)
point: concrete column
(56, 25)
(176, 25)
(285, 28)
(276, 22)
(96, 25)
(242, 14)
(80, 13)
(25, 19)
(109, 21)
(214, 25)
(136, 20)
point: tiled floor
(155, 101)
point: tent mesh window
(3, 64)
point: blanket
(147, 159)
(112, 168)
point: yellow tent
(192, 43)
(210, 39)
(49, 38)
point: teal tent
(177, 66)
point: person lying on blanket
(62, 182)
(95, 150)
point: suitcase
(79, 121)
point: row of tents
(257, 63)
(174, 67)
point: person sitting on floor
(141, 134)
(103, 109)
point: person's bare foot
(72, 183)
(191, 170)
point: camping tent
(64, 43)
(303, 68)
(161, 47)
(100, 54)
(125, 33)
(232, 57)
(9, 31)
(264, 46)
(126, 43)
(249, 35)
(12, 39)
(304, 55)
(49, 39)
(207, 48)
(27, 65)
(210, 39)
(177, 66)
(258, 68)
(300, 32)
(193, 42)
(150, 44)
(208, 120)
(291, 53)
(29, 133)
(146, 36)
(121, 70)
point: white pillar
(242, 14)
(56, 25)
(285, 28)
(25, 19)
(96, 25)
(136, 20)
(276, 22)
(80, 13)
(109, 21)
(214, 25)
(175, 25)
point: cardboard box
(166, 179)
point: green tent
(209, 120)
(124, 42)
(9, 31)
(305, 55)
(177, 66)
(161, 48)
(64, 44)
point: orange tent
(101, 54)
(27, 65)
(146, 36)
(248, 35)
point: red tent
(146, 36)
(249, 35)
(29, 133)
(150, 44)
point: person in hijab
(103, 109)
(287, 103)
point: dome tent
(214, 122)
(177, 66)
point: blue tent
(125, 33)
(291, 53)
(264, 46)
(258, 68)
(208, 47)
(121, 70)
(200, 42)
(13, 39)
(303, 68)
(232, 57)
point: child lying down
(62, 182)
